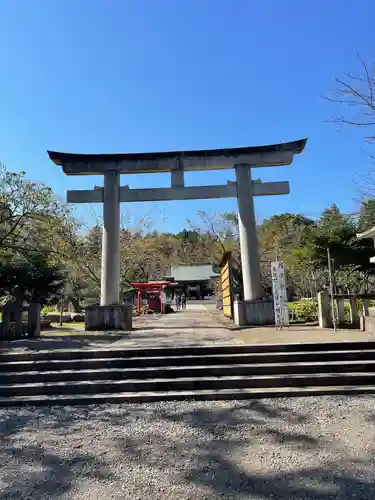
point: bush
(304, 310)
(47, 310)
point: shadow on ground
(41, 472)
(217, 471)
(65, 341)
(177, 327)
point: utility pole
(331, 291)
(62, 298)
(61, 310)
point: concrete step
(365, 355)
(198, 395)
(187, 384)
(149, 351)
(174, 372)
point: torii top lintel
(202, 159)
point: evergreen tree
(366, 215)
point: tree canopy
(42, 245)
(32, 279)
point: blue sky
(154, 75)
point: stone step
(191, 350)
(174, 372)
(188, 360)
(187, 384)
(197, 395)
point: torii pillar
(250, 261)
(110, 269)
(253, 309)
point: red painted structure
(154, 291)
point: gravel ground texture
(295, 448)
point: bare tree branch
(357, 93)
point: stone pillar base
(105, 318)
(324, 310)
(368, 324)
(253, 312)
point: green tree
(32, 279)
(188, 235)
(80, 255)
(29, 215)
(279, 234)
(366, 215)
(337, 232)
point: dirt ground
(300, 334)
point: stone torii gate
(253, 310)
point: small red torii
(155, 287)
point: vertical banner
(280, 299)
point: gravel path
(302, 448)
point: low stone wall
(364, 319)
(13, 324)
(55, 317)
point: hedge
(307, 309)
(304, 310)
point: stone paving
(194, 325)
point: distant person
(178, 302)
(183, 300)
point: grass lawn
(69, 325)
(62, 333)
(67, 329)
